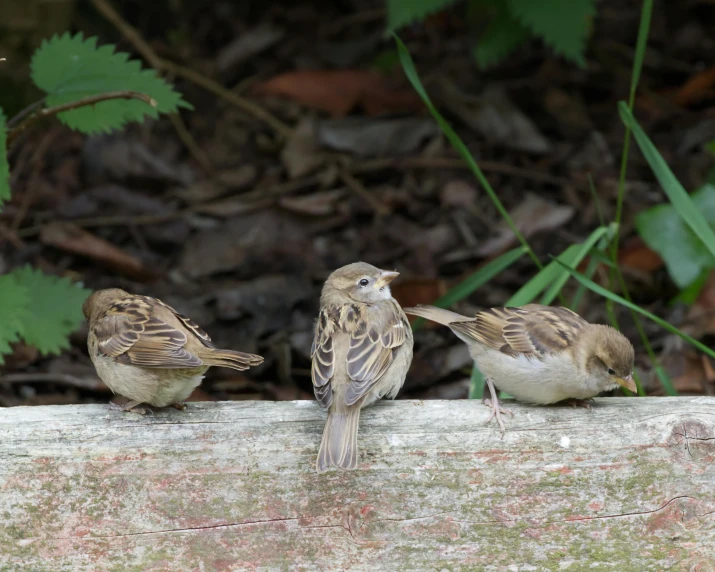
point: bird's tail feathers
(439, 315)
(229, 358)
(339, 446)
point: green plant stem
(410, 71)
(615, 274)
(91, 100)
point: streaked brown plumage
(540, 354)
(362, 350)
(146, 351)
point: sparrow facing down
(540, 354)
(361, 352)
(145, 350)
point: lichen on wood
(629, 485)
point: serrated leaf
(562, 24)
(503, 35)
(55, 312)
(663, 230)
(4, 166)
(403, 12)
(69, 68)
(14, 301)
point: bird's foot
(586, 403)
(128, 407)
(180, 406)
(497, 409)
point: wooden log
(629, 485)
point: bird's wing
(323, 356)
(371, 351)
(131, 332)
(531, 330)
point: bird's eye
(364, 282)
(611, 371)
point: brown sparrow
(145, 350)
(361, 352)
(540, 354)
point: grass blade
(409, 67)
(678, 196)
(581, 252)
(475, 281)
(601, 291)
(552, 274)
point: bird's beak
(628, 383)
(385, 278)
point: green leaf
(476, 280)
(503, 35)
(403, 12)
(4, 167)
(562, 24)
(55, 312)
(69, 68)
(665, 232)
(14, 301)
(677, 195)
(601, 291)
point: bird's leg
(580, 403)
(180, 406)
(129, 406)
(497, 409)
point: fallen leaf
(689, 371)
(698, 87)
(339, 91)
(636, 255)
(271, 240)
(458, 194)
(413, 291)
(230, 180)
(247, 45)
(71, 238)
(315, 204)
(533, 215)
(700, 319)
(374, 137)
(301, 154)
(501, 122)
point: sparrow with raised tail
(146, 351)
(540, 354)
(361, 352)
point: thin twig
(188, 140)
(63, 378)
(34, 182)
(420, 162)
(91, 100)
(160, 64)
(358, 188)
(25, 112)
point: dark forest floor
(240, 231)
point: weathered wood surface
(629, 485)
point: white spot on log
(565, 442)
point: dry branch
(231, 486)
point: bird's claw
(497, 411)
(128, 407)
(585, 403)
